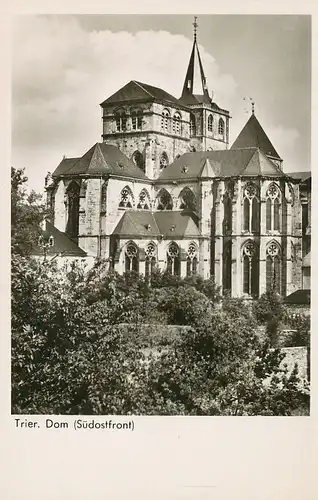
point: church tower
(209, 124)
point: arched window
(136, 119)
(144, 200)
(251, 208)
(126, 198)
(138, 160)
(121, 121)
(273, 208)
(210, 123)
(273, 267)
(73, 195)
(221, 127)
(173, 259)
(165, 120)
(164, 160)
(176, 124)
(192, 126)
(164, 200)
(250, 269)
(192, 259)
(187, 200)
(150, 263)
(227, 266)
(131, 258)
(103, 198)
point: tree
(27, 213)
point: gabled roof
(104, 159)
(137, 91)
(166, 223)
(61, 243)
(253, 136)
(246, 162)
(65, 165)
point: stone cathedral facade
(164, 189)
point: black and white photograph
(161, 215)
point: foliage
(70, 355)
(27, 212)
(269, 305)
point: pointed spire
(195, 71)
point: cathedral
(164, 189)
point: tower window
(192, 125)
(136, 119)
(121, 121)
(165, 120)
(210, 123)
(176, 124)
(221, 127)
(73, 195)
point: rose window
(131, 251)
(273, 250)
(250, 190)
(150, 250)
(273, 191)
(249, 249)
(173, 251)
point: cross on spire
(195, 25)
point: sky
(64, 66)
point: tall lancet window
(193, 130)
(131, 258)
(144, 200)
(273, 267)
(273, 208)
(150, 263)
(136, 119)
(73, 196)
(210, 123)
(103, 200)
(192, 259)
(227, 266)
(173, 259)
(251, 209)
(221, 127)
(227, 221)
(250, 269)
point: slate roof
(62, 243)
(65, 165)
(137, 91)
(101, 159)
(147, 224)
(253, 136)
(246, 162)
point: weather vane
(252, 103)
(195, 25)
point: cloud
(61, 73)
